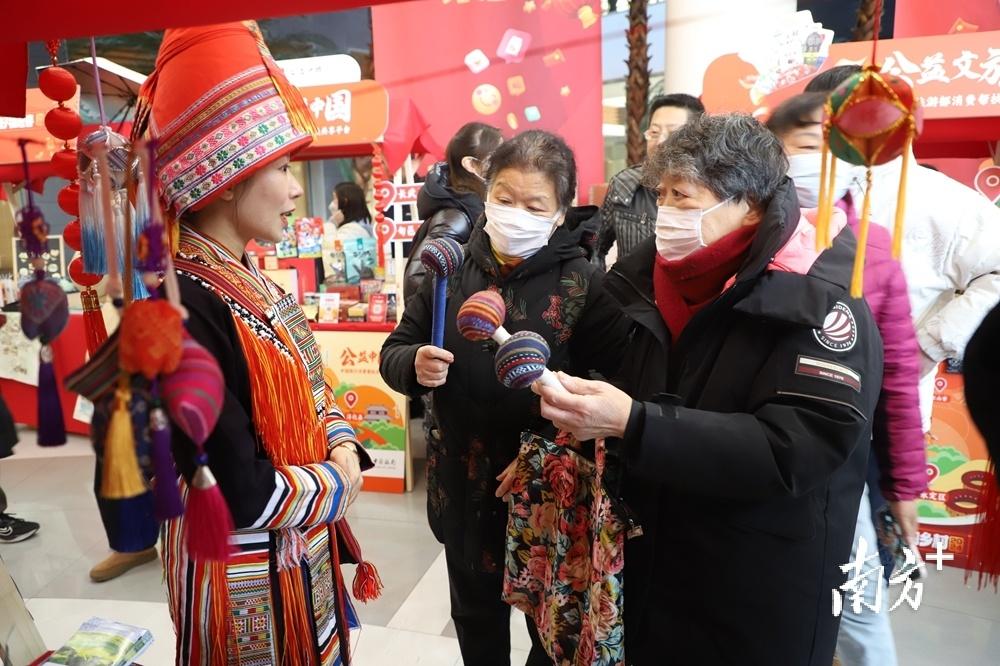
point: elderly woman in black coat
(744, 424)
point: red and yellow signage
(347, 114)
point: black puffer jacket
(558, 294)
(745, 455)
(445, 214)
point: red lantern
(77, 275)
(63, 123)
(69, 199)
(64, 164)
(71, 235)
(57, 84)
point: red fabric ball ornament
(64, 164)
(872, 116)
(77, 274)
(57, 84)
(69, 199)
(71, 235)
(63, 123)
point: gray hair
(732, 155)
(538, 150)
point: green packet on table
(100, 642)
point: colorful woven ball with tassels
(871, 119)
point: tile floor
(410, 625)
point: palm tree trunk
(637, 83)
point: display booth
(957, 79)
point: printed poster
(379, 414)
(956, 471)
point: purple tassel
(166, 497)
(51, 426)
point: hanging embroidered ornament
(187, 383)
(44, 314)
(870, 119)
(103, 213)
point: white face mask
(678, 230)
(804, 169)
(515, 232)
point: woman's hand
(588, 409)
(432, 364)
(506, 479)
(905, 513)
(348, 461)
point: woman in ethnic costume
(225, 122)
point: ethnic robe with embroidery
(281, 598)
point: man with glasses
(629, 211)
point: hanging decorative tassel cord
(207, 520)
(121, 477)
(830, 203)
(51, 424)
(93, 320)
(897, 232)
(97, 83)
(858, 276)
(114, 285)
(822, 214)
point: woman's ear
(471, 164)
(227, 194)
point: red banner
(955, 76)
(514, 64)
(921, 18)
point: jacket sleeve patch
(809, 366)
(840, 330)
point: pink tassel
(207, 521)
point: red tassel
(984, 550)
(367, 584)
(93, 320)
(207, 521)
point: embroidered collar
(244, 283)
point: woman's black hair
(351, 202)
(477, 140)
(541, 151)
(796, 112)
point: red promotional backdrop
(920, 18)
(514, 64)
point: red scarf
(683, 287)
